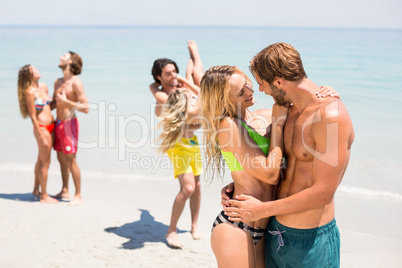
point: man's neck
(67, 75)
(168, 89)
(302, 94)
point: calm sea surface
(365, 66)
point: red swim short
(66, 136)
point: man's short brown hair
(76, 63)
(278, 60)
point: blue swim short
(289, 247)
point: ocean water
(116, 137)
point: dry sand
(123, 220)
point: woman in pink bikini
(34, 102)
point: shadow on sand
(28, 197)
(144, 230)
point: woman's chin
(250, 103)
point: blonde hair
(24, 82)
(215, 89)
(173, 119)
(278, 60)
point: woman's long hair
(24, 82)
(173, 119)
(215, 88)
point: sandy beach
(123, 220)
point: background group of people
(286, 163)
(60, 134)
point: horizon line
(191, 26)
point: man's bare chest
(67, 87)
(298, 142)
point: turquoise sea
(116, 137)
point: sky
(291, 13)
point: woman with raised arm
(34, 102)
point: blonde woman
(34, 102)
(251, 143)
(179, 120)
(240, 136)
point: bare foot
(48, 199)
(173, 240)
(63, 195)
(195, 233)
(36, 193)
(76, 201)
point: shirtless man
(318, 136)
(69, 96)
(165, 74)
